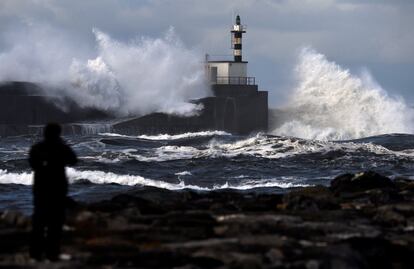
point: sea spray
(330, 103)
(138, 77)
(143, 76)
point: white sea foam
(101, 177)
(259, 184)
(261, 146)
(15, 178)
(183, 173)
(170, 137)
(330, 103)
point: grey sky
(373, 34)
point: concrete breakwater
(24, 107)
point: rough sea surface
(112, 163)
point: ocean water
(112, 163)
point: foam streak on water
(330, 103)
(100, 177)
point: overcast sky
(373, 34)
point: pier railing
(235, 80)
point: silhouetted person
(48, 159)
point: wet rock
(349, 183)
(312, 198)
(313, 264)
(389, 217)
(274, 256)
(123, 201)
(395, 215)
(244, 261)
(118, 223)
(15, 219)
(89, 222)
(383, 196)
(187, 219)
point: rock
(188, 266)
(389, 217)
(312, 198)
(313, 264)
(187, 219)
(245, 261)
(15, 218)
(275, 256)
(118, 223)
(87, 221)
(383, 196)
(85, 216)
(349, 183)
(395, 215)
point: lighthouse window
(237, 40)
(237, 53)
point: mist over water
(330, 103)
(137, 77)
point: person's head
(52, 131)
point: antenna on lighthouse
(236, 41)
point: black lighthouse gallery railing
(235, 80)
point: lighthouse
(238, 106)
(236, 41)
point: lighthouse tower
(231, 72)
(236, 42)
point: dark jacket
(48, 160)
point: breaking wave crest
(170, 137)
(100, 177)
(262, 146)
(330, 103)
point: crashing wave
(330, 103)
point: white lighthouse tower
(235, 71)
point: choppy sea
(111, 163)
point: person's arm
(34, 158)
(71, 158)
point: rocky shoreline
(360, 221)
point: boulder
(349, 183)
(311, 198)
(15, 219)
